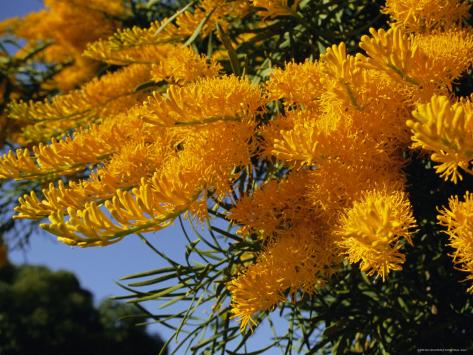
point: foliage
(320, 168)
(47, 312)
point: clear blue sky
(99, 268)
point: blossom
(458, 220)
(182, 64)
(226, 98)
(110, 94)
(371, 231)
(426, 15)
(450, 53)
(138, 44)
(274, 207)
(274, 8)
(394, 52)
(70, 25)
(343, 73)
(297, 260)
(296, 84)
(445, 130)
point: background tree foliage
(46, 312)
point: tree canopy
(48, 312)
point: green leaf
(199, 28)
(156, 295)
(234, 61)
(148, 85)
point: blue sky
(99, 268)
(10, 8)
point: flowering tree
(326, 148)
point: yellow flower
(458, 219)
(139, 45)
(370, 232)
(211, 153)
(145, 54)
(208, 100)
(304, 143)
(183, 64)
(151, 206)
(296, 84)
(130, 41)
(394, 53)
(112, 93)
(449, 53)
(426, 15)
(336, 184)
(446, 130)
(298, 260)
(343, 74)
(175, 63)
(70, 76)
(124, 170)
(274, 8)
(274, 207)
(70, 25)
(273, 132)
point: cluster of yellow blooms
(154, 155)
(68, 25)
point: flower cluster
(67, 26)
(458, 219)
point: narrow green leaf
(173, 17)
(153, 281)
(157, 295)
(227, 234)
(199, 28)
(235, 63)
(256, 352)
(148, 85)
(149, 273)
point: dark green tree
(48, 312)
